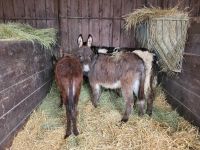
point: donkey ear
(80, 40)
(89, 40)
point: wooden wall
(183, 90)
(38, 13)
(25, 77)
(101, 18)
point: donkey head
(84, 52)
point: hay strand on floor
(101, 128)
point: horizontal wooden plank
(194, 28)
(155, 3)
(21, 112)
(182, 110)
(191, 64)
(192, 48)
(193, 38)
(41, 24)
(32, 23)
(184, 97)
(188, 81)
(20, 60)
(15, 94)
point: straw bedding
(101, 128)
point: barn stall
(103, 19)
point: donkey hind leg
(61, 101)
(74, 117)
(128, 98)
(68, 130)
(141, 106)
(96, 92)
(141, 97)
(150, 98)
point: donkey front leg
(96, 92)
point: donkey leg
(151, 94)
(61, 101)
(150, 103)
(96, 90)
(128, 97)
(68, 130)
(141, 106)
(74, 117)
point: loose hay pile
(163, 31)
(141, 15)
(17, 31)
(100, 128)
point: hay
(141, 15)
(100, 128)
(17, 31)
(163, 31)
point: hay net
(163, 31)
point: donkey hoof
(67, 135)
(94, 104)
(149, 113)
(60, 105)
(76, 132)
(140, 114)
(124, 120)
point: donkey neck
(94, 60)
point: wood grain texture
(19, 8)
(8, 9)
(25, 76)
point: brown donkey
(68, 75)
(123, 70)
